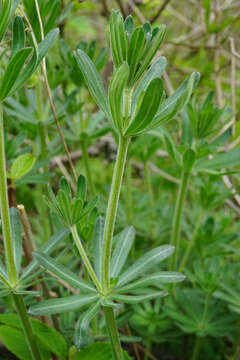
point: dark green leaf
(93, 81)
(148, 107)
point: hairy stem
(84, 256)
(175, 241)
(5, 216)
(129, 200)
(27, 327)
(112, 211)
(87, 168)
(113, 333)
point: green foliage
(50, 339)
(102, 351)
(71, 210)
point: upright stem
(27, 327)
(6, 226)
(112, 210)
(113, 333)
(178, 217)
(196, 348)
(191, 242)
(129, 200)
(87, 168)
(84, 256)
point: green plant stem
(113, 332)
(191, 242)
(85, 259)
(27, 327)
(196, 348)
(129, 200)
(112, 211)
(6, 226)
(178, 217)
(87, 168)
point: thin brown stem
(160, 10)
(49, 93)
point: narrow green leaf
(121, 251)
(81, 188)
(64, 202)
(146, 262)
(36, 59)
(47, 249)
(136, 47)
(18, 35)
(175, 103)
(81, 331)
(4, 16)
(97, 245)
(148, 107)
(228, 159)
(12, 71)
(62, 272)
(58, 306)
(93, 81)
(135, 299)
(16, 230)
(156, 279)
(150, 51)
(117, 85)
(118, 37)
(155, 71)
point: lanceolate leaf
(56, 306)
(155, 71)
(62, 272)
(135, 299)
(81, 331)
(47, 248)
(175, 103)
(121, 251)
(147, 261)
(4, 16)
(136, 48)
(148, 108)
(150, 50)
(18, 35)
(97, 245)
(119, 41)
(12, 72)
(93, 81)
(36, 59)
(226, 160)
(16, 230)
(156, 279)
(117, 85)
